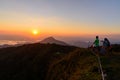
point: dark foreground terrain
(55, 62)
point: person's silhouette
(106, 45)
(96, 43)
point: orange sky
(21, 24)
(49, 19)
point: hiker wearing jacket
(96, 44)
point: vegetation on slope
(80, 64)
(111, 64)
(29, 61)
(54, 62)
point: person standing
(106, 43)
(96, 44)
(106, 46)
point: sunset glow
(35, 32)
(74, 18)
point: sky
(64, 19)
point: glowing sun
(35, 32)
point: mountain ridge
(52, 40)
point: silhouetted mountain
(54, 62)
(5, 46)
(52, 40)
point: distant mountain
(5, 45)
(52, 40)
(81, 44)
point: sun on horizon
(35, 32)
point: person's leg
(102, 50)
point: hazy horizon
(70, 40)
(67, 20)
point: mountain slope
(80, 64)
(29, 61)
(54, 62)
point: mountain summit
(52, 40)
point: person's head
(97, 37)
(105, 39)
